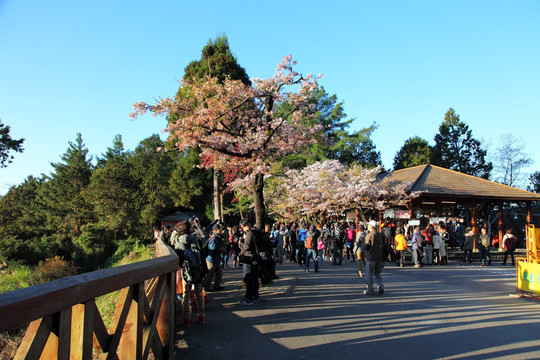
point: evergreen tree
(61, 203)
(8, 144)
(416, 151)
(534, 179)
(151, 171)
(19, 240)
(456, 149)
(191, 186)
(216, 61)
(111, 192)
(336, 143)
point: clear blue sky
(77, 66)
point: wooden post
(501, 224)
(473, 224)
(529, 212)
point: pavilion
(441, 188)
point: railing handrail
(22, 306)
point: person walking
(468, 245)
(401, 246)
(339, 241)
(215, 272)
(249, 250)
(483, 248)
(311, 248)
(360, 249)
(374, 258)
(417, 239)
(509, 245)
(190, 242)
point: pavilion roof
(437, 182)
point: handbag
(245, 259)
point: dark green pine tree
(456, 149)
(8, 144)
(415, 151)
(191, 186)
(61, 202)
(112, 192)
(534, 179)
(151, 169)
(216, 61)
(19, 240)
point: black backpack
(192, 266)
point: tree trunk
(216, 196)
(258, 196)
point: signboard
(351, 216)
(528, 277)
(389, 213)
(403, 214)
(436, 220)
(414, 222)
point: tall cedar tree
(8, 144)
(61, 202)
(216, 61)
(415, 151)
(456, 149)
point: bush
(55, 268)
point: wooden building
(441, 191)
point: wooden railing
(65, 322)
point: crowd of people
(204, 252)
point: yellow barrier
(528, 276)
(533, 243)
(528, 269)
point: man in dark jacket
(249, 248)
(374, 258)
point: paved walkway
(437, 312)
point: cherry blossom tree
(236, 124)
(329, 187)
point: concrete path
(437, 312)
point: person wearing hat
(374, 258)
(213, 259)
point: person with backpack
(311, 247)
(249, 247)
(509, 245)
(193, 270)
(339, 241)
(213, 258)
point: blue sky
(78, 66)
